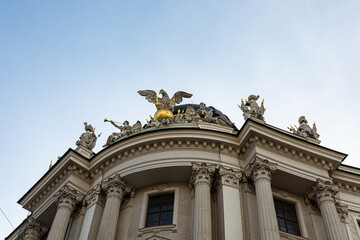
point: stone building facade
(197, 180)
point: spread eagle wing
(178, 96)
(149, 95)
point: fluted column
(33, 230)
(323, 193)
(114, 188)
(66, 198)
(229, 205)
(260, 170)
(201, 180)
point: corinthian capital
(68, 197)
(259, 169)
(115, 186)
(202, 173)
(229, 177)
(33, 230)
(323, 191)
(94, 196)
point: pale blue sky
(66, 62)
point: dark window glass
(286, 217)
(160, 210)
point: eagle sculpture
(164, 105)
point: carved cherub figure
(304, 129)
(88, 138)
(251, 109)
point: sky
(63, 63)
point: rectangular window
(160, 210)
(286, 217)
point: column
(114, 188)
(66, 199)
(201, 180)
(229, 205)
(94, 202)
(33, 230)
(260, 171)
(323, 194)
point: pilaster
(229, 204)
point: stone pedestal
(323, 193)
(229, 205)
(67, 198)
(260, 170)
(201, 181)
(114, 188)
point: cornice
(278, 139)
(257, 139)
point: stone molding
(260, 168)
(68, 197)
(33, 230)
(202, 173)
(323, 191)
(285, 149)
(229, 177)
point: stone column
(229, 205)
(66, 199)
(114, 188)
(33, 230)
(201, 180)
(323, 194)
(260, 170)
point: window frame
(164, 198)
(144, 208)
(284, 218)
(289, 198)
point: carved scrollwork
(202, 173)
(68, 197)
(323, 191)
(229, 177)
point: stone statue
(125, 130)
(251, 109)
(88, 138)
(304, 129)
(164, 105)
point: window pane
(286, 217)
(160, 210)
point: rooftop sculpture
(251, 109)
(304, 130)
(88, 138)
(125, 130)
(164, 105)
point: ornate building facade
(189, 173)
